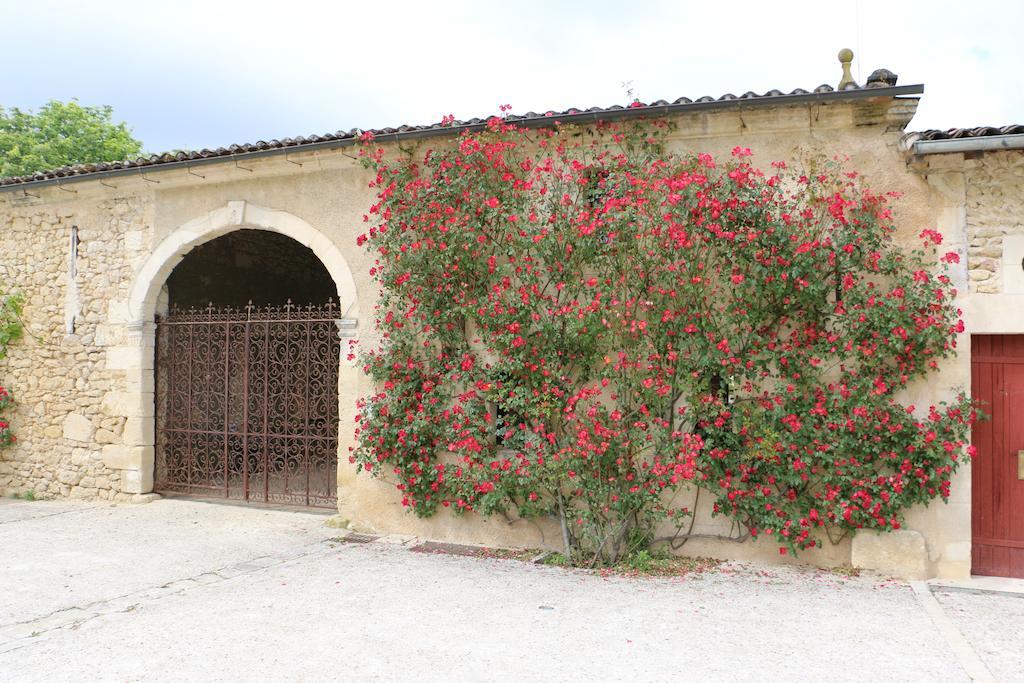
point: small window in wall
(596, 188)
(71, 302)
(73, 252)
(503, 422)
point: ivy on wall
(10, 330)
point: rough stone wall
(59, 378)
(995, 209)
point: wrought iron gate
(247, 403)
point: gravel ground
(993, 624)
(180, 590)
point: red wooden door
(997, 480)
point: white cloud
(200, 73)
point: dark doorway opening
(266, 268)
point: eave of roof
(237, 153)
(960, 133)
(965, 140)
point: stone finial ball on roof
(845, 58)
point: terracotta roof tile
(979, 132)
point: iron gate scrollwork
(247, 403)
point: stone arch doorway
(247, 358)
(257, 411)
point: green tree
(61, 134)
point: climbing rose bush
(579, 323)
(6, 435)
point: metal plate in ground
(357, 538)
(451, 549)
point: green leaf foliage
(10, 330)
(61, 134)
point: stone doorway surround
(134, 457)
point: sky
(189, 74)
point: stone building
(127, 382)
(975, 178)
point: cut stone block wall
(995, 211)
